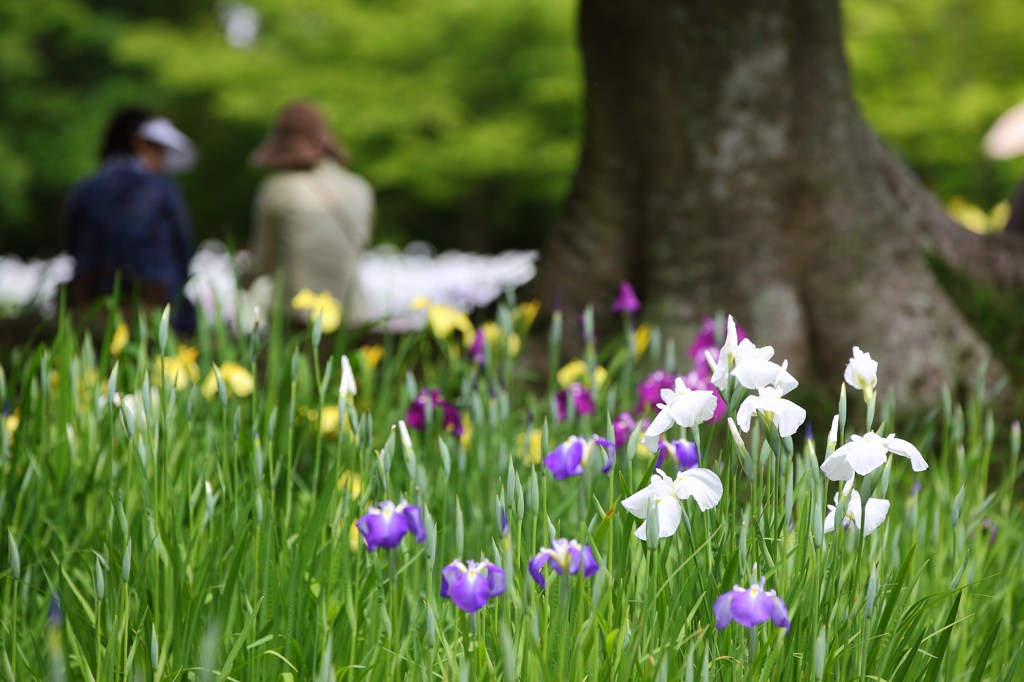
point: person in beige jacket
(312, 216)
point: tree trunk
(726, 167)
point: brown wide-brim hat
(299, 139)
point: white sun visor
(181, 151)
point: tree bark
(726, 167)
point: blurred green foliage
(466, 115)
(931, 76)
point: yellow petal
(120, 338)
(304, 300)
(209, 387)
(515, 344)
(419, 303)
(350, 480)
(571, 372)
(353, 538)
(642, 337)
(527, 311)
(372, 355)
(238, 379)
(467, 431)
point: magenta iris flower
(563, 556)
(387, 523)
(569, 458)
(416, 416)
(648, 391)
(709, 339)
(626, 302)
(624, 426)
(750, 607)
(580, 396)
(476, 351)
(471, 584)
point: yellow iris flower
(321, 305)
(444, 320)
(372, 355)
(576, 371)
(237, 379)
(120, 338)
(181, 369)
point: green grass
(258, 577)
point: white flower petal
(830, 519)
(661, 423)
(668, 396)
(875, 512)
(905, 448)
(703, 485)
(660, 485)
(636, 504)
(670, 513)
(754, 372)
(864, 456)
(693, 408)
(788, 416)
(746, 410)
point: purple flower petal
(649, 390)
(780, 614)
(686, 454)
(469, 592)
(414, 519)
(752, 607)
(723, 608)
(623, 426)
(536, 563)
(495, 580)
(476, 351)
(382, 529)
(565, 460)
(589, 562)
(627, 301)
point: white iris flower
(681, 406)
(667, 494)
(864, 454)
(862, 372)
(867, 517)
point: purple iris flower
(648, 391)
(750, 607)
(387, 523)
(416, 415)
(685, 453)
(503, 526)
(563, 555)
(569, 458)
(624, 425)
(581, 397)
(476, 351)
(626, 302)
(471, 584)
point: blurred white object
(32, 285)
(1005, 139)
(390, 280)
(241, 24)
(179, 150)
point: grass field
(202, 526)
